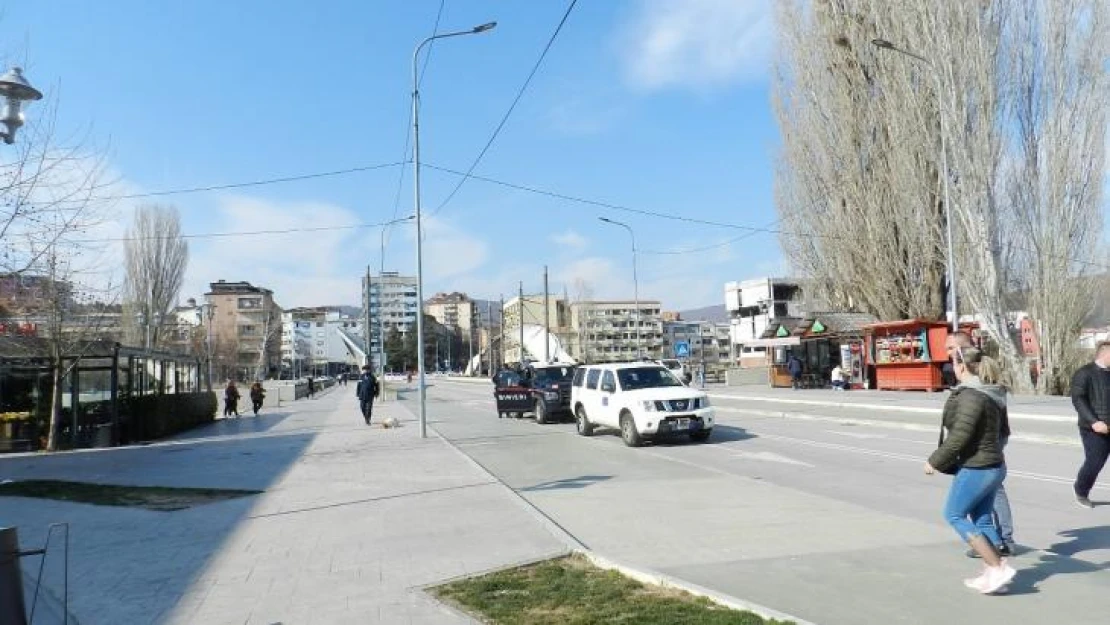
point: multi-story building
(531, 309)
(612, 331)
(321, 340)
(708, 341)
(24, 293)
(391, 301)
(246, 330)
(753, 305)
(455, 311)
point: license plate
(681, 424)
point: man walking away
(794, 366)
(366, 391)
(1090, 394)
(311, 387)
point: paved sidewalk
(353, 521)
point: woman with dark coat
(231, 399)
(972, 452)
(257, 395)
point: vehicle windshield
(636, 378)
(553, 375)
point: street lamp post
(15, 90)
(209, 312)
(635, 283)
(883, 44)
(419, 230)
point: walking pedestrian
(1003, 516)
(257, 395)
(972, 452)
(231, 399)
(795, 367)
(311, 387)
(366, 390)
(1090, 394)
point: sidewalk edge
(885, 407)
(646, 576)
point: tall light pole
(422, 386)
(883, 44)
(635, 282)
(15, 90)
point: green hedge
(149, 417)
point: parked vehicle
(542, 389)
(677, 368)
(643, 400)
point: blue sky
(653, 104)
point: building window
(250, 302)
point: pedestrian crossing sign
(682, 349)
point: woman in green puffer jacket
(972, 451)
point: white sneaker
(997, 578)
(978, 583)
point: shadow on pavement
(128, 564)
(721, 434)
(232, 426)
(581, 481)
(1060, 561)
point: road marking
(768, 456)
(855, 434)
(1017, 415)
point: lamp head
(484, 27)
(883, 43)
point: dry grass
(158, 498)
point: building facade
(389, 303)
(612, 331)
(246, 331)
(752, 306)
(455, 311)
(320, 341)
(530, 308)
(708, 341)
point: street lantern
(16, 90)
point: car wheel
(541, 412)
(628, 431)
(585, 428)
(701, 435)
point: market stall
(907, 355)
(821, 341)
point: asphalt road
(803, 510)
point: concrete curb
(885, 407)
(646, 576)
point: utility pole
(520, 318)
(366, 332)
(489, 333)
(546, 319)
(501, 330)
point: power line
(509, 112)
(252, 183)
(705, 248)
(240, 233)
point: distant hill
(716, 313)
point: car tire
(541, 412)
(583, 425)
(629, 434)
(701, 435)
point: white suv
(643, 400)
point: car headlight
(549, 396)
(649, 406)
(703, 402)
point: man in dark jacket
(794, 366)
(367, 390)
(1090, 394)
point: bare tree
(156, 258)
(583, 292)
(269, 334)
(860, 178)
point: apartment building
(246, 331)
(752, 306)
(612, 331)
(321, 340)
(392, 304)
(455, 311)
(708, 341)
(531, 309)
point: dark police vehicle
(542, 389)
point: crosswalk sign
(682, 349)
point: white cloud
(570, 239)
(448, 250)
(697, 43)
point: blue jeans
(970, 506)
(1003, 517)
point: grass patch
(163, 499)
(571, 590)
